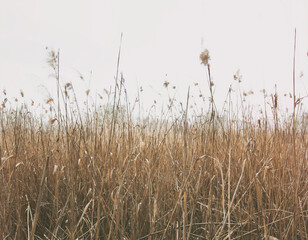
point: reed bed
(103, 173)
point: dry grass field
(100, 172)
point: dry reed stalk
(39, 200)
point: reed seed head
(205, 57)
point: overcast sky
(162, 41)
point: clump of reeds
(101, 173)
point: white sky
(162, 40)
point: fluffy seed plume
(205, 57)
(52, 120)
(49, 100)
(68, 86)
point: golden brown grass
(149, 179)
(105, 174)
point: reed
(113, 175)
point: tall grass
(102, 173)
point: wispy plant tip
(205, 57)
